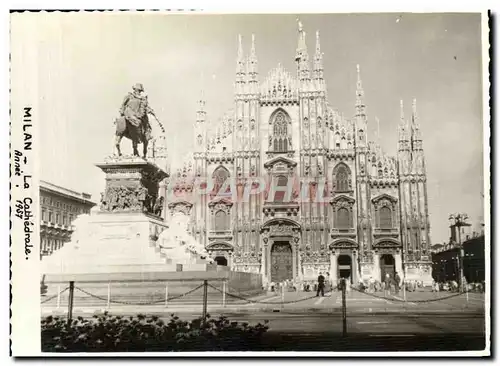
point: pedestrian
(397, 281)
(387, 283)
(321, 285)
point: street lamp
(458, 221)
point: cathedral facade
(364, 214)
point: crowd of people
(390, 285)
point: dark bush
(106, 333)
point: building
(446, 257)
(283, 129)
(446, 261)
(58, 208)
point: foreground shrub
(106, 333)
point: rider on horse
(134, 122)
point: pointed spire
(416, 135)
(301, 56)
(240, 69)
(240, 48)
(252, 68)
(401, 112)
(360, 93)
(378, 129)
(318, 60)
(404, 130)
(252, 48)
(414, 111)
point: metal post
(224, 293)
(205, 299)
(282, 295)
(404, 289)
(58, 296)
(70, 301)
(166, 295)
(109, 295)
(344, 309)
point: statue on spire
(299, 23)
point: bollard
(344, 309)
(166, 295)
(224, 294)
(205, 300)
(58, 296)
(109, 295)
(70, 301)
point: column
(268, 261)
(333, 267)
(294, 259)
(354, 275)
(376, 266)
(398, 263)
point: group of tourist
(453, 286)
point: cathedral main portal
(281, 261)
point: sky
(88, 63)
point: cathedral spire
(318, 60)
(360, 94)
(301, 56)
(252, 68)
(403, 128)
(240, 69)
(416, 135)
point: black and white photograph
(195, 183)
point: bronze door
(281, 262)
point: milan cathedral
(375, 218)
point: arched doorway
(281, 261)
(344, 266)
(387, 266)
(220, 261)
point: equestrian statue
(133, 122)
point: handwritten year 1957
(23, 212)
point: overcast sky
(88, 63)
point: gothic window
(342, 179)
(220, 175)
(280, 193)
(280, 133)
(221, 221)
(385, 215)
(343, 218)
(337, 140)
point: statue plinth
(131, 186)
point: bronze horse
(140, 134)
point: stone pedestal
(132, 186)
(116, 242)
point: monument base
(113, 242)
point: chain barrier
(403, 301)
(138, 303)
(264, 302)
(54, 296)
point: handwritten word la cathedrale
(23, 212)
